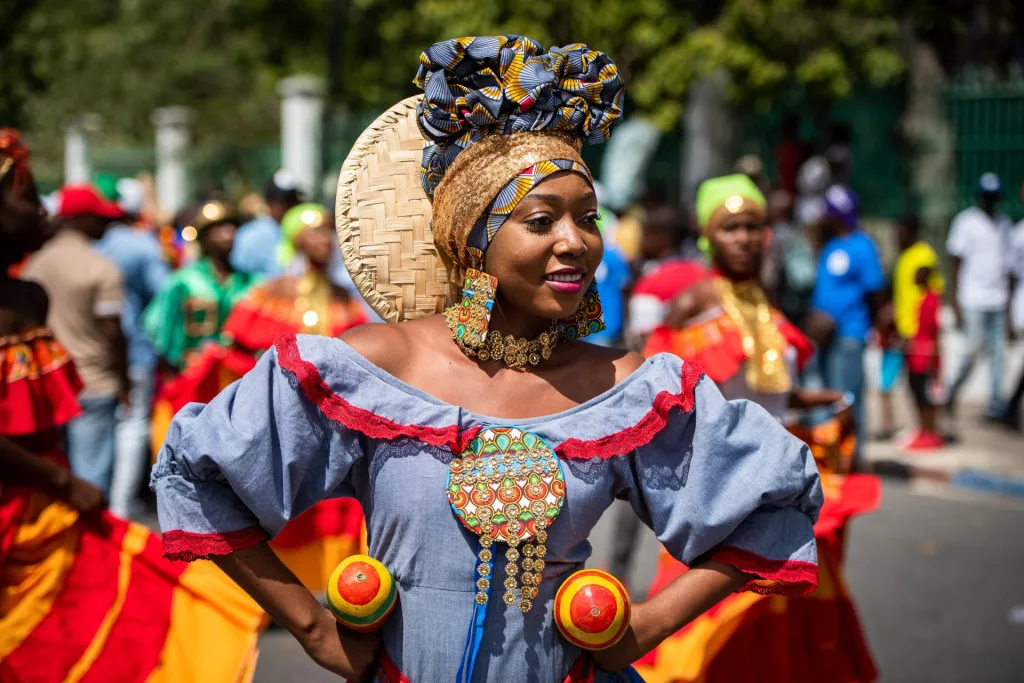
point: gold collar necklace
(513, 352)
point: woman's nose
(570, 242)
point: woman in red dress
(85, 595)
(305, 301)
(726, 325)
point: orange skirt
(96, 601)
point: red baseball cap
(85, 200)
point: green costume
(191, 309)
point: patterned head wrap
(295, 220)
(501, 115)
(720, 197)
(13, 155)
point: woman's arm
(262, 575)
(807, 399)
(20, 467)
(679, 603)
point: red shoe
(925, 440)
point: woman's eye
(538, 224)
(591, 219)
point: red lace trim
(188, 547)
(790, 577)
(344, 413)
(643, 431)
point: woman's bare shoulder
(591, 355)
(389, 346)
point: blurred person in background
(838, 153)
(812, 181)
(665, 272)
(789, 154)
(725, 325)
(1011, 414)
(133, 246)
(305, 301)
(979, 243)
(924, 362)
(191, 307)
(890, 343)
(790, 268)
(255, 250)
(847, 297)
(85, 595)
(613, 278)
(86, 293)
(914, 254)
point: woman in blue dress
(484, 444)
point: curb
(983, 482)
(989, 483)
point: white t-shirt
(1017, 269)
(982, 244)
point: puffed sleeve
(725, 481)
(232, 473)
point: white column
(707, 133)
(173, 139)
(301, 109)
(77, 132)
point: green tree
(123, 58)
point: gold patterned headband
(475, 178)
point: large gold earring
(588, 319)
(470, 318)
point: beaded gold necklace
(748, 308)
(514, 352)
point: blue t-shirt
(848, 271)
(613, 279)
(255, 250)
(139, 257)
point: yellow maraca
(361, 593)
(592, 609)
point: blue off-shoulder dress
(314, 420)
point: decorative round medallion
(509, 478)
(508, 486)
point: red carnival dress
(94, 600)
(772, 638)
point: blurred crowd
(136, 299)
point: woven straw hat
(383, 219)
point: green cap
(298, 218)
(714, 192)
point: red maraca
(361, 593)
(592, 609)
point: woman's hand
(634, 644)
(679, 603)
(346, 653)
(85, 497)
(263, 576)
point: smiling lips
(568, 281)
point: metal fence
(988, 120)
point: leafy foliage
(123, 58)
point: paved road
(936, 574)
